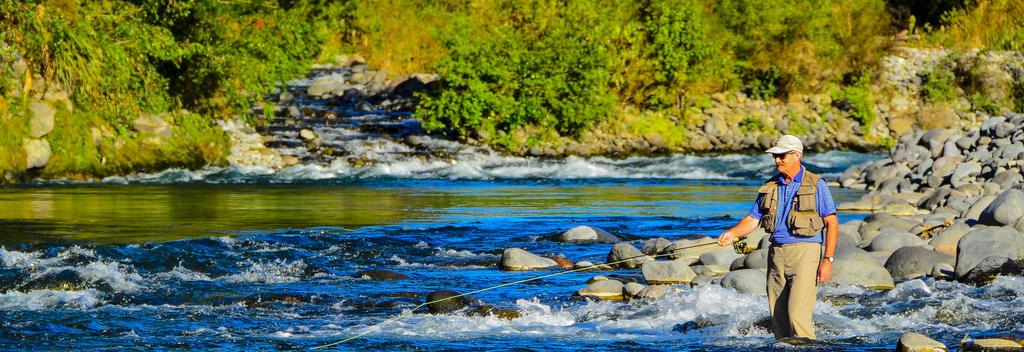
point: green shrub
(858, 100)
(751, 124)
(1017, 96)
(938, 86)
(681, 45)
(548, 67)
(981, 102)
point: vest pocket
(806, 225)
(805, 199)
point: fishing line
(739, 246)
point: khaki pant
(792, 288)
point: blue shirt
(823, 199)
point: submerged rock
(380, 274)
(583, 233)
(446, 301)
(914, 342)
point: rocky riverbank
(316, 119)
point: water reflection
(133, 213)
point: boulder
(944, 166)
(409, 87)
(583, 233)
(943, 271)
(701, 280)
(914, 342)
(945, 241)
(991, 345)
(629, 256)
(709, 270)
(856, 267)
(1008, 178)
(757, 259)
(964, 171)
(42, 119)
(327, 85)
(1004, 210)
(847, 238)
(446, 301)
(754, 238)
(517, 259)
(986, 270)
(719, 257)
(987, 241)
(974, 212)
(749, 281)
(667, 272)
(935, 139)
(564, 263)
(655, 245)
(307, 134)
(911, 262)
(892, 240)
(653, 291)
(608, 290)
(870, 229)
(632, 289)
(37, 152)
(379, 275)
(690, 250)
(584, 264)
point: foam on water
(44, 300)
(277, 271)
(114, 275)
(484, 164)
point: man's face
(787, 162)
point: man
(793, 207)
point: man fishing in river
(793, 207)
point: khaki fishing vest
(803, 220)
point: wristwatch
(830, 259)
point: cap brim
(777, 150)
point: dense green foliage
(547, 68)
(512, 71)
(563, 65)
(119, 60)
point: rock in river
(585, 233)
(517, 259)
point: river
(249, 259)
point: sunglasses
(781, 155)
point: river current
(250, 259)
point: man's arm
(831, 235)
(743, 228)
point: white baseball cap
(786, 144)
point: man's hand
(824, 271)
(726, 238)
